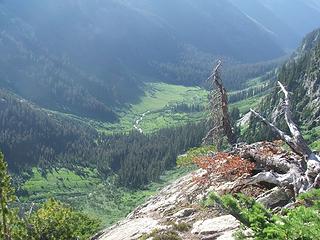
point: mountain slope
(31, 72)
(301, 76)
(107, 48)
(30, 137)
(88, 57)
(288, 21)
(136, 31)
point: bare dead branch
(299, 174)
(276, 130)
(296, 141)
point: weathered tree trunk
(296, 141)
(225, 118)
(298, 173)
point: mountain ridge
(96, 54)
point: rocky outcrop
(177, 208)
(178, 211)
(130, 229)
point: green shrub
(300, 223)
(52, 221)
(157, 234)
(168, 235)
(57, 221)
(181, 227)
(187, 159)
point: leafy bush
(300, 223)
(11, 227)
(57, 221)
(170, 235)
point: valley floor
(89, 193)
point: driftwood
(223, 124)
(299, 172)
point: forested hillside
(301, 76)
(90, 60)
(30, 71)
(88, 57)
(47, 140)
(32, 137)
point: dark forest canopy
(30, 137)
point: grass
(245, 105)
(157, 101)
(90, 194)
(312, 136)
(59, 183)
(316, 145)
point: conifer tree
(6, 197)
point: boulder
(184, 213)
(130, 230)
(215, 225)
(227, 235)
(275, 197)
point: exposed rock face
(176, 205)
(245, 120)
(130, 229)
(216, 225)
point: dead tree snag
(219, 109)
